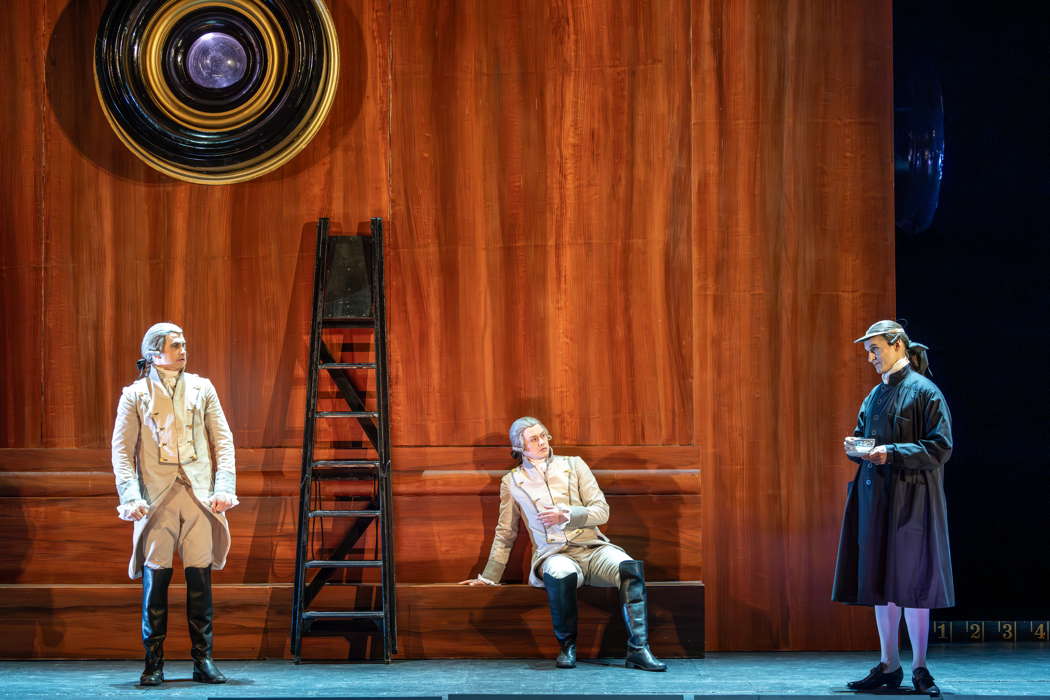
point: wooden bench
(513, 621)
(65, 591)
(434, 620)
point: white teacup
(859, 445)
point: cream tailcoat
(571, 485)
(143, 472)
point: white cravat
(169, 377)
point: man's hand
(220, 503)
(475, 582)
(552, 516)
(878, 455)
(139, 513)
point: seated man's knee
(559, 567)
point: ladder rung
(347, 365)
(344, 469)
(347, 322)
(370, 463)
(344, 474)
(345, 513)
(343, 615)
(342, 564)
(347, 414)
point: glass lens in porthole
(216, 60)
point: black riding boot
(154, 622)
(561, 594)
(636, 617)
(199, 616)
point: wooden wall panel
(58, 507)
(46, 534)
(792, 151)
(21, 233)
(542, 213)
(655, 224)
(233, 265)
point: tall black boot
(154, 622)
(561, 594)
(636, 617)
(199, 615)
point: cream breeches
(178, 522)
(593, 566)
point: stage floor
(979, 670)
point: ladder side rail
(303, 530)
(383, 400)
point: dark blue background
(974, 287)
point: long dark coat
(894, 542)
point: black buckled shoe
(154, 622)
(923, 682)
(199, 614)
(878, 678)
(561, 595)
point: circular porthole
(216, 91)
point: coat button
(868, 482)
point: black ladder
(348, 294)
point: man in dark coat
(893, 550)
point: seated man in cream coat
(562, 507)
(168, 422)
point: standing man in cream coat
(168, 423)
(562, 506)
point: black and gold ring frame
(216, 91)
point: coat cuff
(493, 572)
(577, 517)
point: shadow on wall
(71, 92)
(70, 82)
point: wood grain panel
(253, 622)
(792, 147)
(542, 213)
(657, 225)
(288, 460)
(442, 481)
(21, 230)
(232, 264)
(45, 534)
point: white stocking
(918, 622)
(888, 620)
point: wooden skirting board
(253, 621)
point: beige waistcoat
(571, 485)
(145, 466)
